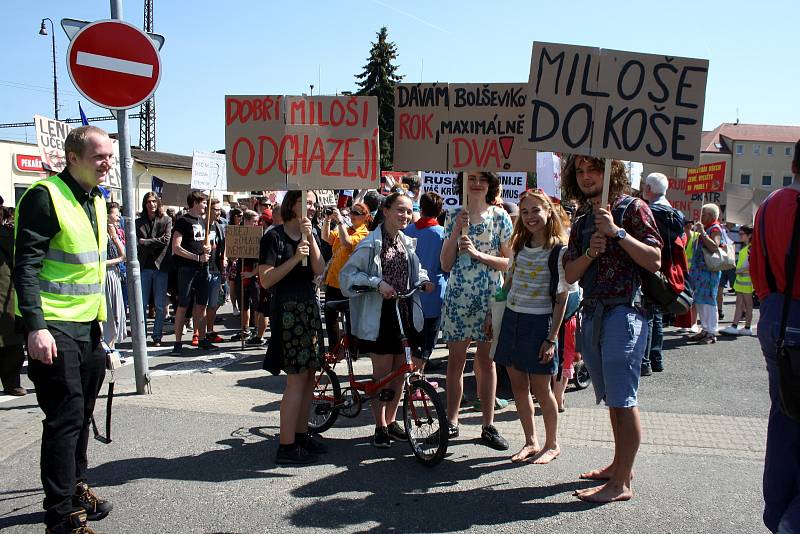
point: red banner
(706, 178)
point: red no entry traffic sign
(114, 64)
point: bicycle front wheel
(425, 422)
(324, 404)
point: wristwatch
(620, 235)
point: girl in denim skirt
(527, 339)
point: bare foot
(606, 493)
(604, 473)
(526, 452)
(546, 456)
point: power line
(90, 119)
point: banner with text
(296, 142)
(512, 185)
(473, 126)
(611, 103)
(706, 178)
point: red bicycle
(424, 417)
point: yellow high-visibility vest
(74, 268)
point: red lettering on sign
(252, 109)
(469, 153)
(416, 127)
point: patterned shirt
(530, 281)
(395, 267)
(616, 275)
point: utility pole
(138, 329)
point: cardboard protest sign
(50, 136)
(616, 104)
(277, 142)
(706, 178)
(691, 204)
(461, 127)
(548, 174)
(114, 176)
(208, 171)
(242, 241)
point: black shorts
(197, 279)
(388, 341)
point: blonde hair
(555, 231)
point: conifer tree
(379, 79)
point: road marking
(124, 66)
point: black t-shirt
(277, 248)
(217, 247)
(193, 236)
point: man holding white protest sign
(599, 105)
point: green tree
(379, 79)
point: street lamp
(312, 89)
(43, 31)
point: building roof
(760, 132)
(711, 142)
(162, 159)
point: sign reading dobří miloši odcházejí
(297, 142)
(454, 127)
(610, 103)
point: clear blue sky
(215, 48)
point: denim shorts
(616, 364)
(214, 290)
(192, 278)
(521, 337)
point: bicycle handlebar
(407, 294)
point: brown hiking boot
(96, 508)
(74, 523)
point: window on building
(766, 179)
(740, 149)
(769, 150)
(787, 180)
(787, 151)
(745, 179)
(756, 150)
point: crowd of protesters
(538, 258)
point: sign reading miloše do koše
(615, 104)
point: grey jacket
(364, 269)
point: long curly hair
(569, 181)
(555, 231)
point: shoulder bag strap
(771, 284)
(791, 264)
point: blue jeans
(655, 336)
(156, 281)
(782, 462)
(616, 362)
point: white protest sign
(615, 104)
(512, 185)
(326, 197)
(50, 136)
(548, 174)
(444, 185)
(635, 170)
(208, 171)
(114, 176)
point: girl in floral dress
(476, 263)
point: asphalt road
(197, 456)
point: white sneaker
(746, 332)
(732, 331)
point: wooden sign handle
(464, 188)
(303, 215)
(208, 217)
(606, 183)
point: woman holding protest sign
(476, 261)
(294, 345)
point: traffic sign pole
(138, 328)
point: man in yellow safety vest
(59, 273)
